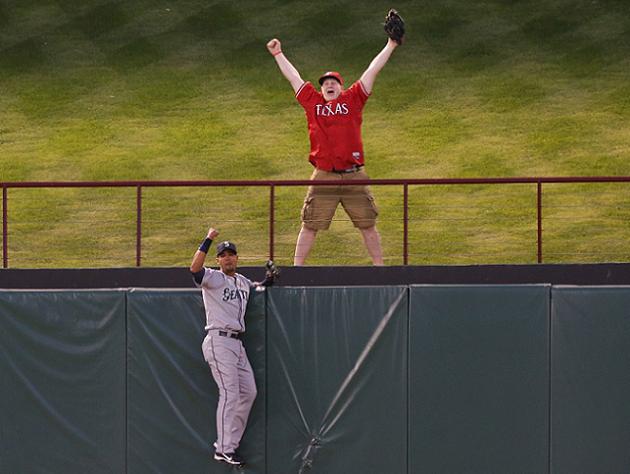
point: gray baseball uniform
(225, 300)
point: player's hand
(212, 233)
(392, 43)
(274, 46)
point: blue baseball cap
(226, 245)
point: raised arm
(200, 255)
(287, 69)
(379, 61)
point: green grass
(109, 90)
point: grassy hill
(151, 89)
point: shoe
(229, 458)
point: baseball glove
(394, 26)
(271, 273)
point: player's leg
(317, 213)
(372, 240)
(221, 355)
(247, 395)
(305, 241)
(358, 202)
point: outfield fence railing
(537, 183)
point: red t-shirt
(334, 128)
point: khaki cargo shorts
(321, 201)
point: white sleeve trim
(363, 88)
(300, 89)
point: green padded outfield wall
(337, 380)
(62, 382)
(360, 380)
(591, 380)
(479, 379)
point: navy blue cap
(226, 245)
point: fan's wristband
(276, 54)
(205, 245)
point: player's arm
(286, 68)
(379, 61)
(196, 267)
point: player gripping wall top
(225, 295)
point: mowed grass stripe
(107, 90)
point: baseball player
(334, 117)
(225, 294)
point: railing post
(138, 225)
(272, 191)
(539, 220)
(272, 196)
(405, 224)
(5, 229)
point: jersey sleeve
(211, 279)
(198, 277)
(307, 95)
(358, 93)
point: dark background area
(583, 274)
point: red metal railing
(272, 184)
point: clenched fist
(212, 233)
(274, 47)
